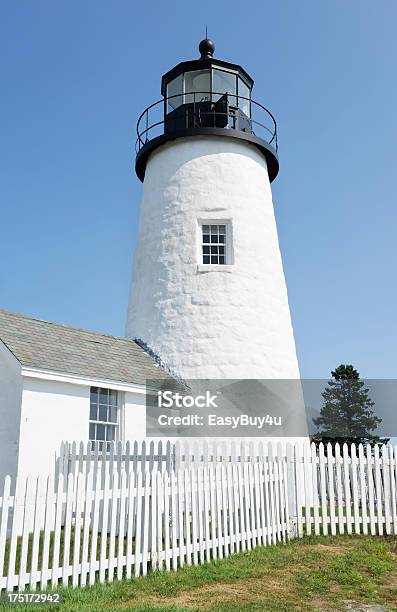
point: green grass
(314, 573)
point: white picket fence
(118, 529)
(93, 528)
(348, 490)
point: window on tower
(214, 244)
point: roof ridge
(79, 329)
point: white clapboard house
(62, 383)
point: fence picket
(139, 531)
(363, 489)
(187, 506)
(30, 495)
(103, 561)
(153, 518)
(38, 524)
(48, 527)
(85, 567)
(67, 529)
(331, 488)
(181, 522)
(277, 498)
(94, 533)
(247, 505)
(307, 487)
(323, 489)
(77, 529)
(226, 540)
(372, 518)
(166, 487)
(386, 488)
(346, 475)
(194, 517)
(130, 522)
(57, 532)
(146, 520)
(339, 488)
(298, 489)
(356, 508)
(6, 504)
(174, 520)
(378, 490)
(393, 488)
(160, 514)
(121, 525)
(115, 478)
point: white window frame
(117, 424)
(229, 253)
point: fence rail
(79, 528)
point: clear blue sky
(74, 78)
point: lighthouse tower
(208, 293)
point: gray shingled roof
(60, 348)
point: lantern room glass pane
(243, 90)
(224, 82)
(197, 86)
(175, 88)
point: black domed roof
(206, 48)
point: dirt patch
(329, 548)
(202, 598)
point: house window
(103, 416)
(214, 244)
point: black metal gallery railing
(199, 110)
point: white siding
(52, 411)
(10, 411)
(134, 416)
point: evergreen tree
(347, 413)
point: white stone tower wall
(221, 323)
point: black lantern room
(211, 97)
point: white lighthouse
(208, 293)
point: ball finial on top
(206, 48)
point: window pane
(206, 238)
(243, 90)
(224, 82)
(113, 397)
(113, 414)
(93, 412)
(110, 431)
(103, 396)
(94, 394)
(206, 259)
(206, 250)
(197, 81)
(100, 432)
(102, 413)
(221, 259)
(174, 88)
(92, 431)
